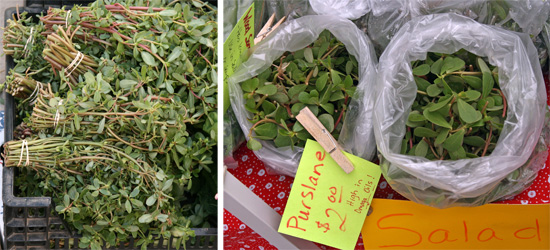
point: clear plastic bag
(292, 36)
(387, 16)
(350, 9)
(263, 9)
(232, 138)
(521, 147)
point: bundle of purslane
(123, 136)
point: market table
(274, 191)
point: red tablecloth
(274, 190)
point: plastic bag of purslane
(527, 16)
(522, 146)
(293, 36)
(350, 9)
(387, 16)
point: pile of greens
(119, 117)
(321, 76)
(459, 110)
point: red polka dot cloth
(274, 190)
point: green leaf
(308, 54)
(488, 83)
(474, 141)
(72, 193)
(451, 64)
(442, 103)
(269, 89)
(424, 132)
(473, 81)
(295, 90)
(279, 97)
(281, 114)
(250, 85)
(421, 84)
(304, 136)
(169, 87)
(348, 82)
(437, 119)
(268, 107)
(146, 218)
(446, 88)
(442, 136)
(349, 67)
(282, 141)
(415, 124)
(102, 222)
(335, 77)
(127, 84)
(128, 206)
(97, 97)
(482, 65)
(470, 95)
(322, 49)
(321, 82)
(421, 149)
(421, 70)
(468, 113)
(253, 144)
(167, 185)
(297, 127)
(168, 13)
(415, 116)
(266, 129)
(132, 228)
(176, 53)
(162, 217)
(459, 153)
(296, 108)
(433, 90)
(454, 142)
(327, 121)
(101, 126)
(338, 95)
(151, 200)
(304, 97)
(148, 58)
(436, 66)
(135, 192)
(329, 107)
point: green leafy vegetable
(458, 112)
(323, 83)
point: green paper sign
(235, 49)
(326, 205)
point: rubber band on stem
(25, 146)
(67, 18)
(29, 41)
(57, 114)
(34, 94)
(75, 63)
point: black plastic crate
(28, 221)
(55, 3)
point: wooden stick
(320, 133)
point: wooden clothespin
(323, 137)
(267, 29)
